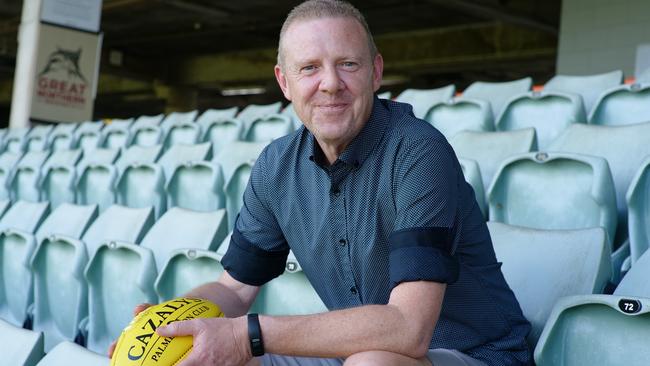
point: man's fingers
(111, 349)
(180, 328)
(139, 308)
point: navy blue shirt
(393, 208)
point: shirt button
(342, 242)
(336, 192)
(353, 290)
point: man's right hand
(137, 310)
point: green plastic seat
(15, 140)
(187, 133)
(146, 131)
(289, 111)
(57, 266)
(596, 330)
(622, 105)
(116, 134)
(180, 154)
(88, 135)
(554, 191)
(58, 179)
(178, 118)
(548, 112)
(20, 347)
(542, 266)
(64, 352)
(456, 115)
(140, 181)
(96, 176)
(497, 93)
(472, 174)
(17, 245)
(187, 269)
(490, 149)
(638, 204)
(27, 175)
(196, 185)
(8, 162)
(37, 138)
(589, 87)
(212, 115)
(644, 77)
(269, 128)
(118, 223)
(423, 99)
(222, 132)
(254, 111)
(62, 136)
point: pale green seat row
(20, 347)
(116, 134)
(589, 87)
(254, 111)
(542, 266)
(37, 138)
(146, 131)
(62, 136)
(472, 173)
(15, 140)
(548, 112)
(269, 127)
(638, 203)
(460, 114)
(24, 182)
(423, 99)
(622, 105)
(497, 93)
(88, 135)
(178, 118)
(8, 161)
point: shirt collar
(362, 144)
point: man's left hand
(216, 341)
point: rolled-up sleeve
(425, 192)
(258, 250)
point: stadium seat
(179, 132)
(15, 140)
(185, 270)
(89, 135)
(196, 185)
(8, 161)
(57, 266)
(587, 86)
(178, 117)
(118, 223)
(222, 132)
(542, 266)
(497, 93)
(289, 111)
(644, 77)
(635, 282)
(62, 137)
(236, 161)
(624, 147)
(27, 175)
(254, 111)
(37, 138)
(548, 112)
(116, 134)
(596, 330)
(17, 244)
(638, 205)
(96, 178)
(212, 115)
(289, 294)
(554, 191)
(623, 105)
(145, 120)
(20, 347)
(65, 352)
(472, 174)
(456, 115)
(180, 228)
(137, 176)
(120, 276)
(269, 128)
(180, 154)
(489, 149)
(146, 131)
(4, 206)
(423, 99)
(57, 183)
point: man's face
(330, 76)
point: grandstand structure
(559, 164)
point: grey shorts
(438, 357)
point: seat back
(497, 93)
(187, 269)
(20, 346)
(254, 111)
(8, 162)
(638, 204)
(96, 178)
(38, 137)
(635, 282)
(472, 174)
(62, 137)
(181, 154)
(118, 223)
(622, 105)
(269, 128)
(212, 115)
(15, 140)
(178, 118)
(196, 186)
(542, 266)
(66, 351)
(490, 149)
(116, 134)
(456, 115)
(149, 134)
(554, 191)
(187, 133)
(24, 184)
(222, 132)
(59, 176)
(289, 111)
(548, 112)
(423, 99)
(89, 135)
(588, 87)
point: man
(373, 203)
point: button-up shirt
(394, 207)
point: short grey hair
(314, 9)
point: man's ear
(282, 81)
(377, 71)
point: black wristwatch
(255, 335)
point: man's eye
(349, 65)
(308, 68)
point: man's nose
(331, 81)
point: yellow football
(140, 345)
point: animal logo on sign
(64, 63)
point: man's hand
(137, 310)
(216, 341)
